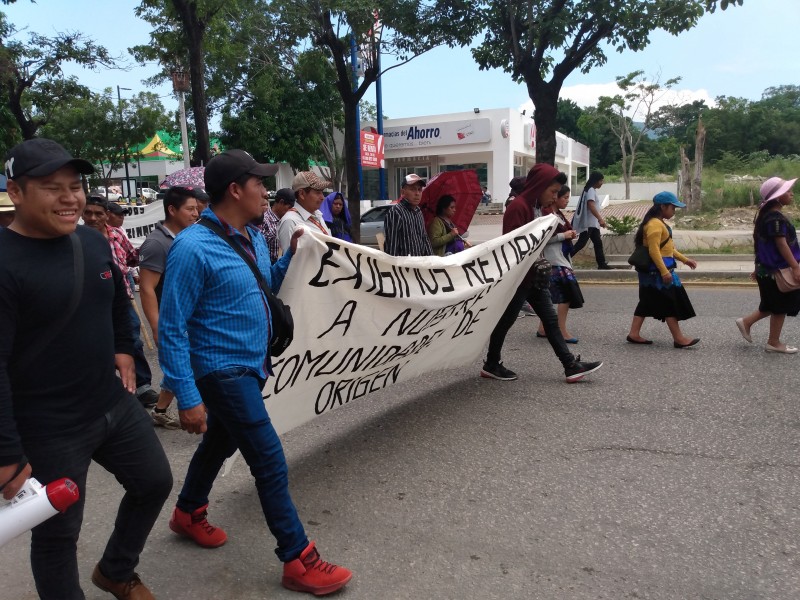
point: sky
(739, 52)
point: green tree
(569, 113)
(31, 73)
(407, 28)
(98, 128)
(636, 102)
(534, 39)
(213, 40)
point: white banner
(365, 320)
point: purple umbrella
(191, 177)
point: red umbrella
(464, 186)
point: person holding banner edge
(214, 350)
(541, 190)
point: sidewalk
(733, 268)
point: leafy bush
(623, 226)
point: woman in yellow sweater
(661, 294)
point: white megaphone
(33, 504)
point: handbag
(786, 281)
(282, 321)
(640, 257)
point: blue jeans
(237, 418)
(124, 443)
(542, 305)
(144, 376)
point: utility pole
(124, 142)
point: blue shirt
(213, 314)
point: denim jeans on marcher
(237, 418)
(124, 443)
(542, 305)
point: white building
(499, 144)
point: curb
(628, 276)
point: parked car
(110, 194)
(149, 194)
(372, 223)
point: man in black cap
(284, 200)
(64, 336)
(215, 329)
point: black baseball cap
(39, 157)
(118, 210)
(285, 195)
(228, 166)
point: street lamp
(181, 85)
(124, 143)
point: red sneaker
(309, 573)
(195, 526)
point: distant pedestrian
(6, 210)
(587, 220)
(445, 236)
(308, 193)
(564, 289)
(404, 225)
(661, 293)
(180, 212)
(337, 216)
(776, 247)
(284, 200)
(517, 184)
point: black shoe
(148, 398)
(578, 370)
(604, 267)
(497, 371)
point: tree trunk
(685, 183)
(195, 31)
(545, 98)
(27, 127)
(699, 148)
(351, 165)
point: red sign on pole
(371, 150)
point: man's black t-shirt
(74, 379)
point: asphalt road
(669, 474)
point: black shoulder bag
(282, 322)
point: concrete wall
(639, 191)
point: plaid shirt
(212, 313)
(125, 255)
(269, 229)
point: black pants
(124, 443)
(543, 306)
(592, 233)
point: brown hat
(309, 179)
(5, 203)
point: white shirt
(299, 216)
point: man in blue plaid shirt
(214, 330)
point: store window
(481, 168)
